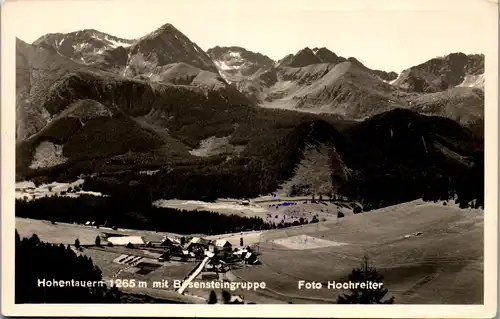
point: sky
(389, 35)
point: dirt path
(193, 275)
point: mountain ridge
(166, 55)
(162, 103)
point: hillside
(319, 81)
(405, 154)
(185, 74)
(48, 83)
(344, 89)
(163, 104)
(82, 46)
(416, 269)
(306, 56)
(129, 58)
(442, 73)
(311, 80)
(420, 269)
(393, 157)
(461, 104)
(237, 60)
(37, 69)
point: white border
(320, 311)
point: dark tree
(365, 295)
(35, 260)
(226, 296)
(98, 240)
(34, 240)
(77, 243)
(117, 211)
(213, 298)
(356, 209)
(241, 241)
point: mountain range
(91, 103)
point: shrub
(360, 295)
(356, 209)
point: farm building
(223, 244)
(169, 241)
(197, 243)
(124, 240)
(251, 258)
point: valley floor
(428, 253)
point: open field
(427, 252)
(268, 208)
(67, 233)
(106, 259)
(305, 242)
(28, 191)
(442, 265)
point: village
(185, 248)
(210, 259)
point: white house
(125, 240)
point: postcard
(249, 158)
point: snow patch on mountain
(80, 46)
(221, 65)
(231, 61)
(111, 43)
(473, 81)
(224, 77)
(196, 49)
(392, 81)
(116, 44)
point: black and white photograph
(250, 152)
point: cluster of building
(199, 247)
(184, 249)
